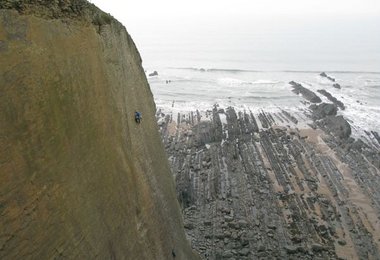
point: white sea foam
(263, 81)
(192, 90)
(231, 81)
(223, 118)
(239, 82)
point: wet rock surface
(336, 125)
(262, 186)
(323, 110)
(324, 75)
(154, 73)
(306, 93)
(332, 98)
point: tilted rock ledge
(306, 93)
(268, 186)
(79, 179)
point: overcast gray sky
(291, 28)
(150, 10)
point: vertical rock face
(78, 177)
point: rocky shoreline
(274, 185)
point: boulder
(291, 249)
(317, 247)
(244, 252)
(188, 225)
(227, 254)
(342, 242)
(323, 110)
(337, 125)
(154, 73)
(336, 85)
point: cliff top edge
(78, 10)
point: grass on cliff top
(72, 9)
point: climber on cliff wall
(138, 117)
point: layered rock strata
(262, 186)
(306, 93)
(332, 98)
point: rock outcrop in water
(336, 125)
(260, 186)
(154, 73)
(78, 178)
(324, 75)
(306, 93)
(332, 98)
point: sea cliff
(79, 178)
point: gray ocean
(247, 63)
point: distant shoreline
(269, 71)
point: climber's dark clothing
(138, 117)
